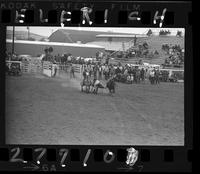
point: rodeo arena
(95, 88)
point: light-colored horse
(96, 85)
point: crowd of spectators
(126, 73)
(176, 55)
(68, 58)
(141, 51)
(12, 57)
(104, 70)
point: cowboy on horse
(86, 81)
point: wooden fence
(31, 66)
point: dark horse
(111, 85)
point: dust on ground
(44, 110)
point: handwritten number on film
(63, 153)
(43, 151)
(156, 17)
(15, 155)
(108, 156)
(109, 153)
(86, 157)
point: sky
(47, 31)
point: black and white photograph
(94, 86)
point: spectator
(142, 72)
(72, 71)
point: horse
(87, 83)
(111, 85)
(96, 85)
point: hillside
(23, 35)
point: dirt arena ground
(43, 110)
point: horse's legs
(151, 81)
(87, 89)
(111, 92)
(94, 89)
(97, 90)
(91, 89)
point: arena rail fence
(48, 68)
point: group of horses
(92, 86)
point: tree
(145, 53)
(46, 50)
(31, 38)
(149, 33)
(48, 56)
(168, 32)
(179, 33)
(43, 39)
(50, 50)
(145, 45)
(161, 32)
(164, 32)
(135, 40)
(156, 52)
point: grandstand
(114, 44)
(114, 41)
(88, 43)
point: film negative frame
(101, 158)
